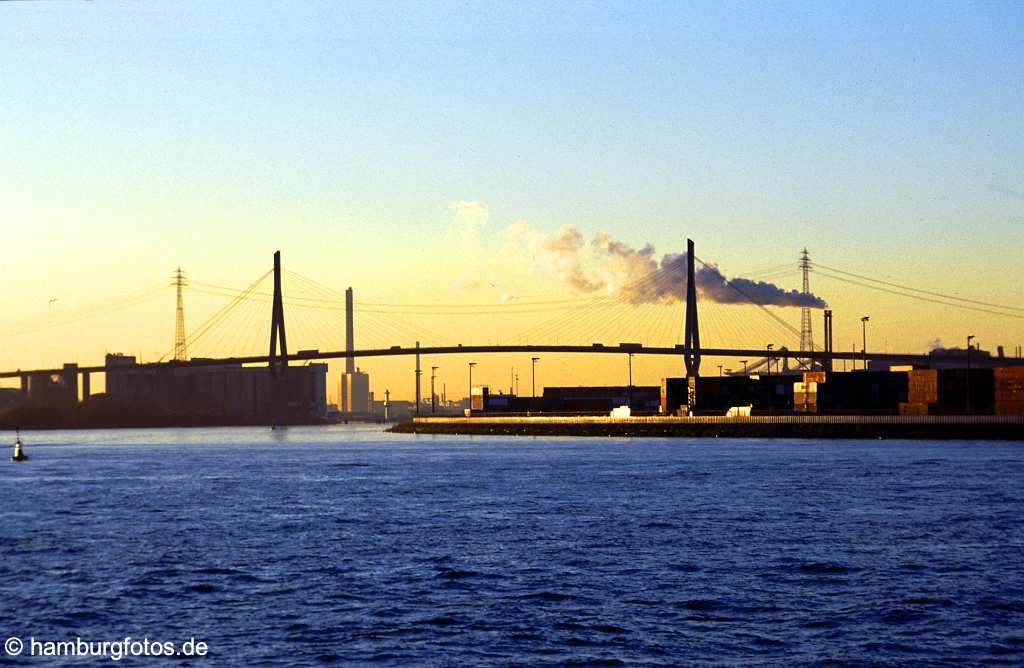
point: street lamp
(433, 406)
(770, 346)
(969, 373)
(471, 365)
(719, 370)
(533, 378)
(864, 347)
(744, 362)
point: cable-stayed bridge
(658, 316)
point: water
(348, 545)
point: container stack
(1009, 387)
(814, 376)
(805, 397)
(922, 390)
(805, 394)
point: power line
(920, 290)
(918, 297)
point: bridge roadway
(596, 348)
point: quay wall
(975, 427)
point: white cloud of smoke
(638, 276)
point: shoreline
(952, 427)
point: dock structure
(941, 427)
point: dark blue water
(348, 545)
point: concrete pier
(996, 427)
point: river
(347, 544)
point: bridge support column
(691, 339)
(85, 385)
(70, 377)
(278, 365)
(24, 385)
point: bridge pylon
(691, 338)
(278, 365)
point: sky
(426, 152)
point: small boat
(19, 455)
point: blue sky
(207, 134)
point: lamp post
(471, 365)
(744, 362)
(533, 378)
(769, 347)
(969, 373)
(864, 346)
(433, 397)
(719, 370)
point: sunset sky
(433, 153)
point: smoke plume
(639, 277)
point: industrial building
(482, 400)
(949, 358)
(354, 398)
(226, 390)
(354, 393)
(569, 400)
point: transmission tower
(806, 340)
(179, 282)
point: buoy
(18, 455)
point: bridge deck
(622, 349)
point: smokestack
(350, 362)
(999, 351)
(418, 372)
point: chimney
(350, 362)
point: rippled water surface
(348, 545)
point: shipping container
(1009, 408)
(913, 408)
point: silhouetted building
(10, 396)
(809, 392)
(354, 393)
(224, 390)
(600, 399)
(946, 358)
(483, 400)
